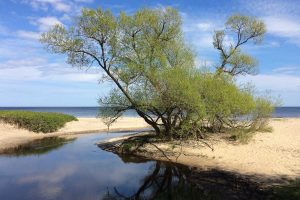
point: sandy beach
(273, 154)
(11, 136)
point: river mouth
(56, 168)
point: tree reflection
(164, 182)
(169, 181)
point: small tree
(153, 70)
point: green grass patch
(36, 121)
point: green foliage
(223, 99)
(241, 29)
(154, 73)
(36, 121)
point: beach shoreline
(272, 154)
(11, 136)
(275, 154)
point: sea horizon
(92, 111)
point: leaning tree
(153, 70)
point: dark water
(281, 112)
(78, 169)
(285, 112)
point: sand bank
(273, 155)
(11, 136)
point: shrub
(36, 121)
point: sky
(31, 76)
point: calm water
(78, 169)
(280, 112)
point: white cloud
(58, 5)
(199, 33)
(19, 48)
(281, 17)
(49, 184)
(45, 23)
(287, 70)
(272, 7)
(28, 34)
(204, 26)
(84, 1)
(274, 82)
(34, 69)
(32, 62)
(283, 27)
(65, 17)
(284, 86)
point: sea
(91, 112)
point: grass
(245, 135)
(36, 121)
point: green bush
(36, 121)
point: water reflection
(80, 170)
(164, 182)
(172, 181)
(37, 147)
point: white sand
(11, 136)
(275, 154)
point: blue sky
(30, 76)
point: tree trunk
(153, 124)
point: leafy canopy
(153, 70)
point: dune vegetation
(36, 121)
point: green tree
(241, 29)
(152, 68)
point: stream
(56, 168)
